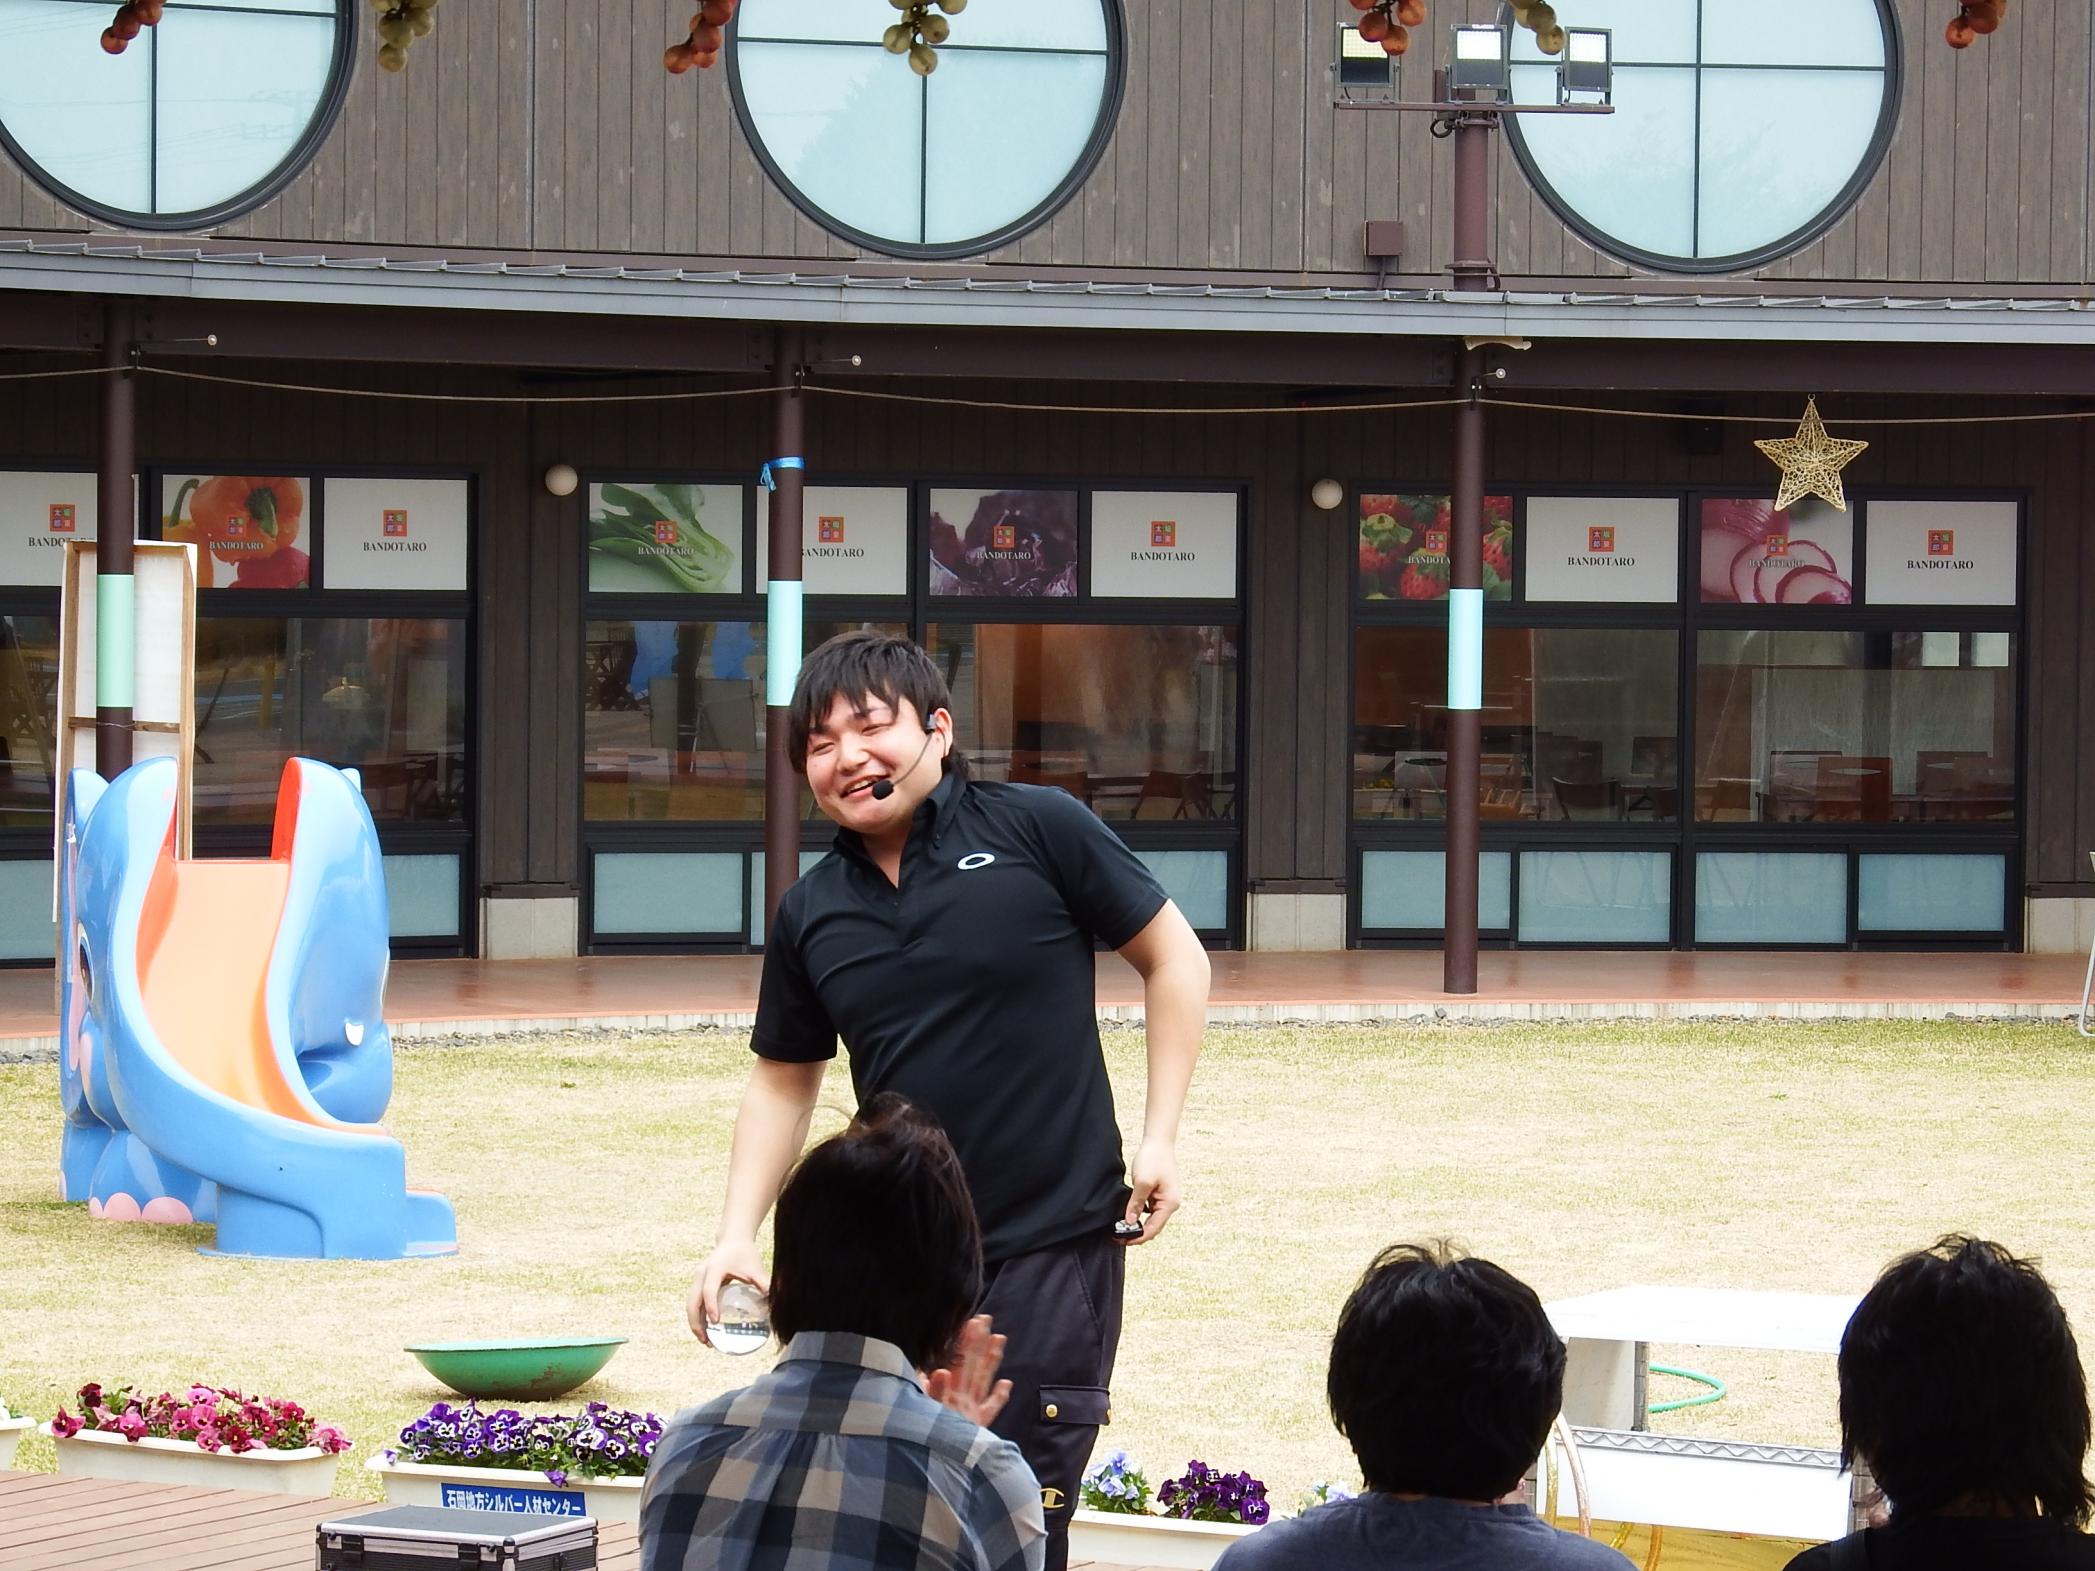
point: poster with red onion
(1755, 555)
(1404, 546)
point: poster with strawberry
(1404, 543)
(1754, 555)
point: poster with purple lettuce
(1755, 555)
(1013, 545)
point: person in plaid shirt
(847, 1456)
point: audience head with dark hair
(864, 1448)
(876, 1235)
(1445, 1374)
(1961, 1387)
(1445, 1377)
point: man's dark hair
(1959, 1377)
(861, 666)
(1445, 1374)
(876, 1235)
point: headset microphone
(883, 789)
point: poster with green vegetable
(660, 537)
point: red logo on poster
(1600, 540)
(1163, 534)
(236, 526)
(665, 532)
(396, 521)
(1778, 545)
(1942, 542)
(61, 519)
(830, 531)
(1436, 542)
(1003, 537)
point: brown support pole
(1472, 270)
(1466, 572)
(117, 511)
(784, 643)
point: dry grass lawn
(586, 1170)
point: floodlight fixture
(1367, 73)
(1480, 64)
(1586, 74)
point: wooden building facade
(533, 220)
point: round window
(957, 162)
(205, 116)
(1734, 140)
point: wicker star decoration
(1810, 461)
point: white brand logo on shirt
(968, 864)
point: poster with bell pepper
(1404, 543)
(247, 528)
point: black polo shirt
(971, 990)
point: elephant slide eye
(354, 1031)
(87, 975)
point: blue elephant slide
(224, 1055)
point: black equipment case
(423, 1538)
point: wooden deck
(48, 1523)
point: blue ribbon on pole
(764, 478)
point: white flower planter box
(97, 1454)
(508, 1489)
(1122, 1538)
(11, 1432)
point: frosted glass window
(756, 886)
(1771, 897)
(1631, 174)
(1777, 146)
(951, 164)
(1407, 891)
(979, 95)
(202, 118)
(422, 896)
(1197, 882)
(844, 126)
(212, 143)
(1596, 897)
(80, 118)
(695, 894)
(1733, 141)
(26, 929)
(1931, 894)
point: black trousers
(1060, 1308)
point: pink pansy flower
(330, 1439)
(203, 1396)
(132, 1426)
(207, 1438)
(65, 1425)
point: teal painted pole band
(1465, 649)
(782, 641)
(115, 595)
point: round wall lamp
(1327, 494)
(561, 479)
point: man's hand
(1154, 1177)
(969, 1386)
(736, 1259)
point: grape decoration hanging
(1974, 18)
(918, 35)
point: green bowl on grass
(517, 1371)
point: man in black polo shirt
(949, 940)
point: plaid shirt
(837, 1461)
